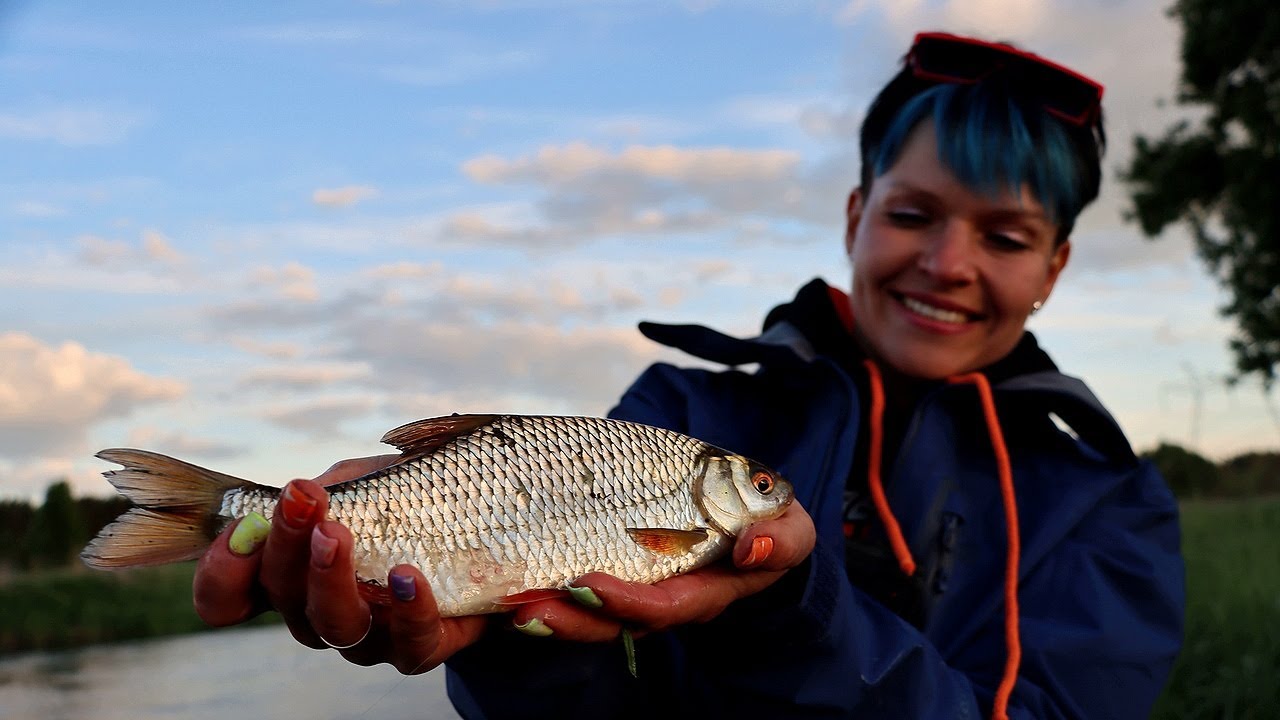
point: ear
(1057, 262)
(852, 216)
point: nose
(948, 254)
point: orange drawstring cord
(875, 440)
(1005, 471)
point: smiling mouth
(931, 312)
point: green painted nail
(586, 596)
(629, 647)
(535, 627)
(249, 535)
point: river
(258, 673)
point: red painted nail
(323, 549)
(761, 549)
(296, 506)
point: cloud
(182, 445)
(51, 396)
(343, 196)
(591, 192)
(321, 418)
(73, 127)
(575, 162)
(459, 67)
(154, 249)
(298, 377)
(292, 281)
(34, 209)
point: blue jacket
(1100, 578)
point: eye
(908, 218)
(763, 483)
(1007, 241)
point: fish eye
(763, 483)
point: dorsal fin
(422, 437)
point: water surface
(259, 673)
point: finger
(287, 555)
(334, 608)
(225, 588)
(420, 638)
(567, 620)
(777, 544)
(344, 470)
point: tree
(1221, 175)
(56, 534)
(1189, 474)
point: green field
(1229, 668)
(1230, 664)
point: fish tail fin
(177, 513)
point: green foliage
(1219, 175)
(1189, 475)
(15, 519)
(57, 533)
(75, 606)
(1231, 656)
(1256, 473)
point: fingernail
(323, 548)
(761, 548)
(403, 587)
(296, 506)
(534, 627)
(586, 597)
(249, 534)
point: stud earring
(1035, 307)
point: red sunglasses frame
(1091, 86)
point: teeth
(933, 313)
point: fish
(495, 510)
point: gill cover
(735, 492)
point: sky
(258, 235)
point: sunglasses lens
(954, 60)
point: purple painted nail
(403, 587)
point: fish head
(736, 491)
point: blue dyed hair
(993, 136)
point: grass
(1230, 660)
(74, 606)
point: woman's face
(944, 277)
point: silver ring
(367, 630)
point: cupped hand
(304, 571)
(762, 554)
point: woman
(979, 540)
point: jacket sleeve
(1101, 622)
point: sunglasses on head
(945, 58)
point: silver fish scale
(527, 502)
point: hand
(305, 572)
(762, 555)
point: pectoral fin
(667, 541)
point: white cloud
(459, 67)
(579, 161)
(35, 209)
(292, 281)
(181, 445)
(303, 376)
(154, 250)
(321, 418)
(343, 196)
(69, 126)
(51, 396)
